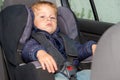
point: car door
(94, 17)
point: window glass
(82, 9)
(108, 10)
(1, 4)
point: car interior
(79, 29)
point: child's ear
(35, 11)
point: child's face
(45, 19)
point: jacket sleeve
(30, 49)
(84, 50)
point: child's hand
(94, 48)
(47, 61)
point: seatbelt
(50, 48)
(69, 70)
(69, 46)
(65, 67)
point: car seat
(106, 61)
(13, 20)
(15, 29)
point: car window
(82, 9)
(1, 4)
(108, 10)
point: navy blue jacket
(32, 46)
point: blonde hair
(39, 3)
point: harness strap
(50, 48)
(69, 46)
(70, 49)
(18, 56)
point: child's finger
(42, 64)
(50, 66)
(54, 64)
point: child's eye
(42, 16)
(53, 18)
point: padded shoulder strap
(69, 46)
(50, 48)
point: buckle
(68, 70)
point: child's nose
(48, 19)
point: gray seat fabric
(13, 2)
(106, 61)
(67, 23)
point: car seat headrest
(66, 22)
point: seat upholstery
(106, 61)
(67, 22)
(13, 2)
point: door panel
(92, 30)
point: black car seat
(106, 61)
(13, 20)
(13, 30)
